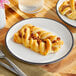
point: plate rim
(61, 18)
(50, 62)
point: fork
(19, 72)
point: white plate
(25, 54)
(64, 18)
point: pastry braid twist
(68, 8)
(37, 39)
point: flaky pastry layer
(68, 8)
(38, 40)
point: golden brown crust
(72, 4)
(68, 8)
(38, 40)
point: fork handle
(19, 72)
(8, 67)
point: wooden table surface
(14, 15)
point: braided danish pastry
(37, 39)
(68, 8)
